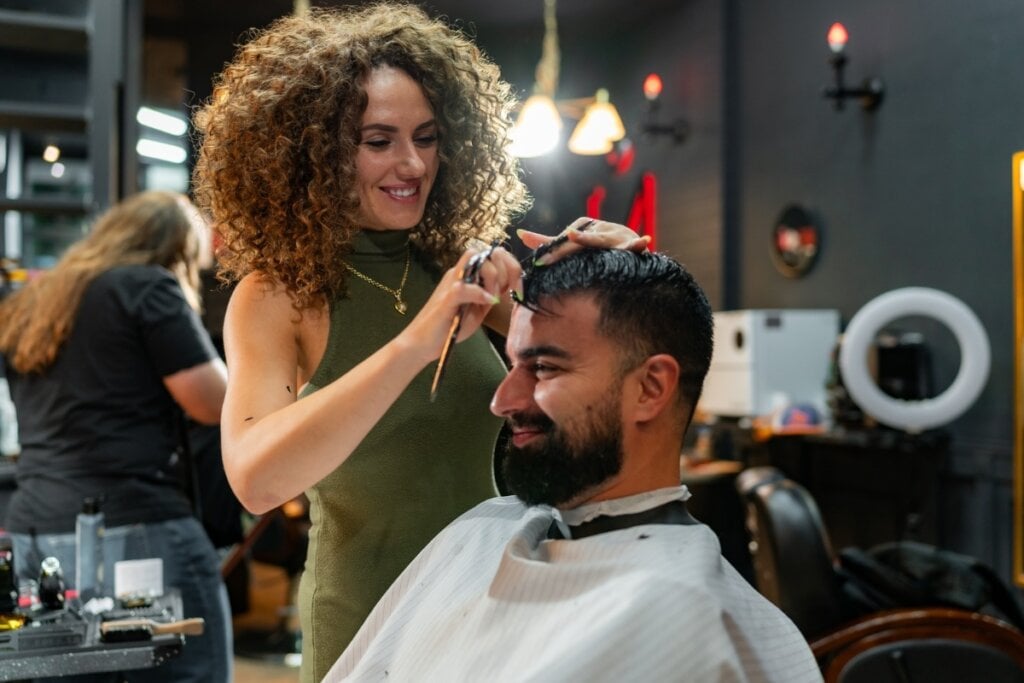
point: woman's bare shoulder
(261, 296)
(263, 311)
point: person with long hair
(353, 161)
(102, 353)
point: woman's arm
(199, 390)
(274, 446)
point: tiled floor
(268, 601)
(250, 671)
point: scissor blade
(446, 350)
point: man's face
(563, 401)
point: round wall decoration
(915, 416)
(796, 241)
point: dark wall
(683, 43)
(914, 194)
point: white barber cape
(491, 598)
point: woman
(101, 352)
(349, 158)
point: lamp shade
(537, 129)
(598, 129)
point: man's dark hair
(649, 304)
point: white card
(139, 577)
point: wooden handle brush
(144, 629)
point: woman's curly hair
(276, 167)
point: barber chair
(928, 645)
(797, 570)
(792, 554)
(752, 477)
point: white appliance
(766, 357)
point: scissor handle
(470, 274)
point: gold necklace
(400, 305)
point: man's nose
(512, 395)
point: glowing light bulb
(652, 86)
(837, 37)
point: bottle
(10, 618)
(89, 550)
(8, 421)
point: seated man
(594, 570)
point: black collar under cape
(673, 512)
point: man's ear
(658, 382)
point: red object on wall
(643, 213)
(621, 157)
(594, 201)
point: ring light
(915, 416)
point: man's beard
(558, 469)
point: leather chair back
(792, 554)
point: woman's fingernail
(495, 299)
(519, 233)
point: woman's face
(397, 158)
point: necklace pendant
(401, 306)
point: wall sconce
(538, 127)
(677, 130)
(872, 89)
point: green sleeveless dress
(420, 467)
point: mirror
(1018, 385)
(795, 241)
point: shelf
(43, 116)
(43, 32)
(46, 205)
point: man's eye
(543, 369)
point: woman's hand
(497, 274)
(583, 233)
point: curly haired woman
(102, 350)
(348, 159)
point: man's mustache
(538, 421)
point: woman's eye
(426, 140)
(376, 144)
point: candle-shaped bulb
(652, 86)
(837, 37)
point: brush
(144, 629)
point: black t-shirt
(100, 421)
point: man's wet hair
(649, 304)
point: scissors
(470, 274)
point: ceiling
(187, 41)
(491, 13)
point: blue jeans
(190, 565)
